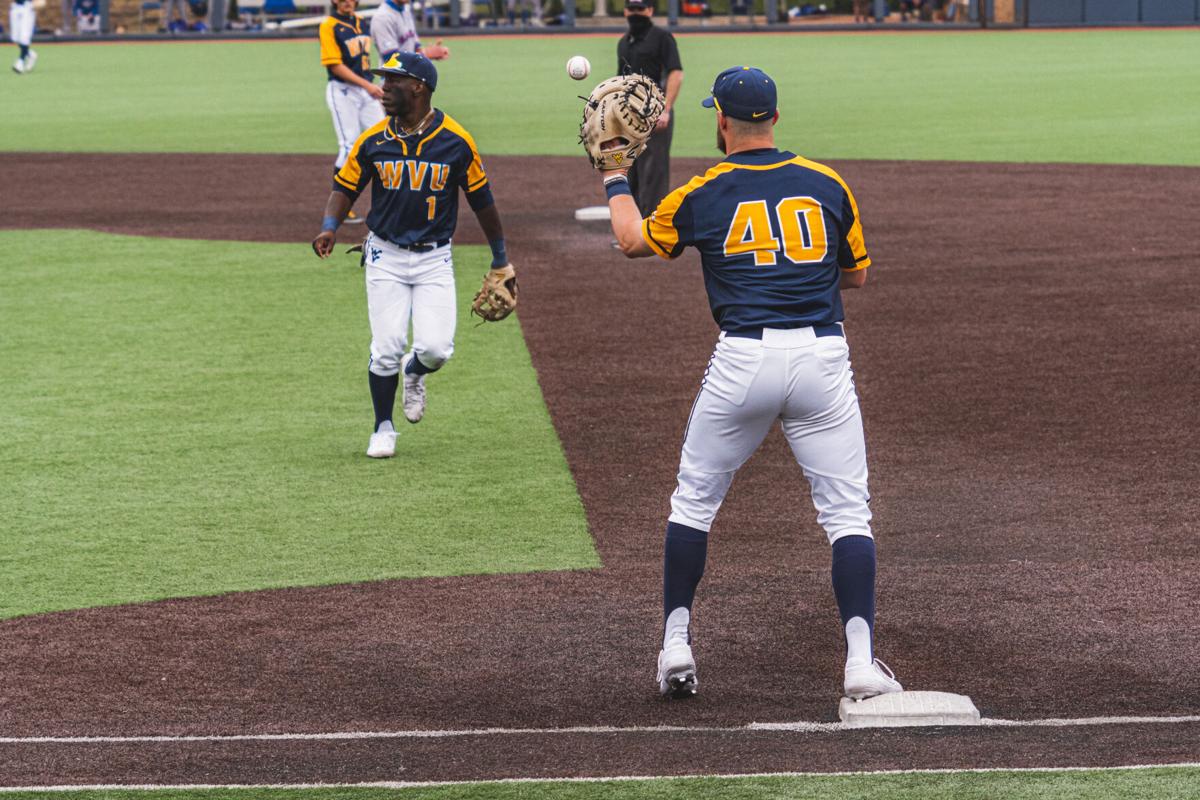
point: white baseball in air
(578, 67)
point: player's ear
(775, 119)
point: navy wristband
(499, 254)
(329, 224)
(617, 186)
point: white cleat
(677, 670)
(865, 680)
(30, 60)
(383, 443)
(19, 67)
(414, 391)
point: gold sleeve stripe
(659, 228)
(330, 52)
(350, 175)
(854, 237)
(471, 187)
(475, 174)
(658, 249)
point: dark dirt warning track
(1026, 352)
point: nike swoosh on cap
(758, 114)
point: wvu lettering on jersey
(392, 174)
(415, 179)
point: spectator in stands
(862, 10)
(511, 6)
(958, 11)
(87, 16)
(199, 9)
(910, 8)
(174, 16)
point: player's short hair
(744, 127)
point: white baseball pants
(353, 111)
(803, 380)
(401, 286)
(20, 22)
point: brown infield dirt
(1026, 353)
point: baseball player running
(21, 17)
(779, 238)
(394, 31)
(415, 161)
(351, 93)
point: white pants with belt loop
(403, 285)
(802, 380)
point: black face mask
(639, 23)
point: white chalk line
(753, 727)
(101, 787)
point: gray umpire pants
(650, 177)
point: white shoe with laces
(868, 679)
(677, 670)
(383, 442)
(19, 66)
(31, 60)
(414, 391)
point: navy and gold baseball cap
(745, 93)
(414, 65)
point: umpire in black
(652, 52)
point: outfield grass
(188, 418)
(1105, 96)
(1167, 783)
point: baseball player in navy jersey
(394, 31)
(779, 238)
(415, 161)
(351, 93)
(21, 17)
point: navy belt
(820, 330)
(424, 247)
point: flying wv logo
(408, 173)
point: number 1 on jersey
(801, 225)
(432, 202)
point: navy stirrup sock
(383, 395)
(415, 367)
(683, 566)
(854, 578)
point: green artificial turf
(186, 418)
(1165, 783)
(1106, 96)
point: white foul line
(753, 727)
(108, 787)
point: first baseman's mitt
(618, 118)
(498, 297)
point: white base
(593, 214)
(908, 709)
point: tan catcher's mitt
(498, 297)
(618, 117)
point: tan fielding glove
(498, 296)
(618, 117)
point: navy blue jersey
(774, 231)
(344, 42)
(415, 179)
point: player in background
(394, 31)
(21, 18)
(779, 239)
(415, 162)
(351, 93)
